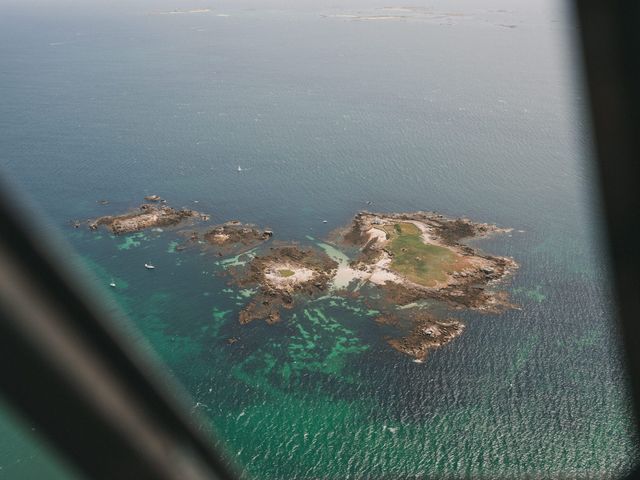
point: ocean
(329, 109)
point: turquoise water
(447, 108)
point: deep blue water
(467, 110)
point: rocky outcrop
(147, 216)
(281, 275)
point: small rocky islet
(282, 274)
(229, 238)
(411, 259)
(148, 215)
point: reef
(406, 266)
(427, 333)
(281, 275)
(408, 257)
(230, 238)
(147, 216)
(419, 261)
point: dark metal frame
(63, 366)
(610, 35)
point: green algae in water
(254, 372)
(247, 292)
(325, 436)
(131, 241)
(324, 345)
(350, 305)
(172, 246)
(321, 344)
(334, 253)
(522, 356)
(219, 319)
(239, 260)
(536, 294)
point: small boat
(324, 221)
(112, 284)
(148, 266)
(239, 168)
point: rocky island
(411, 258)
(147, 216)
(419, 255)
(282, 274)
(403, 265)
(427, 333)
(230, 238)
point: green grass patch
(420, 262)
(285, 272)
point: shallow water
(444, 109)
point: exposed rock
(281, 275)
(230, 238)
(463, 284)
(427, 334)
(147, 216)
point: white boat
(239, 168)
(149, 266)
(112, 284)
